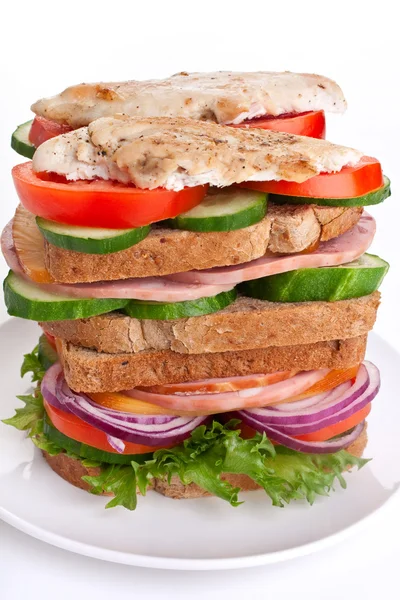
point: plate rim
(192, 564)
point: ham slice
(220, 384)
(156, 289)
(8, 249)
(228, 401)
(347, 247)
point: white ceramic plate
(193, 534)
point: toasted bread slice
(246, 324)
(72, 470)
(286, 229)
(90, 371)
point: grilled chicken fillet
(174, 153)
(223, 97)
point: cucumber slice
(26, 300)
(89, 452)
(141, 309)
(46, 354)
(224, 210)
(90, 240)
(374, 197)
(20, 140)
(352, 280)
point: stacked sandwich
(204, 290)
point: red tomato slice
(329, 432)
(366, 176)
(100, 203)
(73, 427)
(311, 124)
(246, 432)
(51, 339)
(42, 130)
(215, 386)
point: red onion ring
(151, 430)
(282, 431)
(118, 445)
(307, 402)
(327, 447)
(335, 401)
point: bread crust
(246, 324)
(286, 229)
(90, 371)
(72, 470)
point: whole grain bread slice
(286, 229)
(72, 470)
(246, 324)
(90, 371)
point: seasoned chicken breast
(222, 97)
(174, 153)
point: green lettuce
(209, 452)
(29, 418)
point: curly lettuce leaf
(284, 474)
(30, 417)
(119, 480)
(32, 364)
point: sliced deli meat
(222, 384)
(155, 289)
(8, 249)
(174, 153)
(343, 249)
(222, 96)
(227, 401)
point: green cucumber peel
(329, 284)
(224, 210)
(160, 311)
(90, 240)
(26, 300)
(46, 354)
(20, 140)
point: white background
(45, 46)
